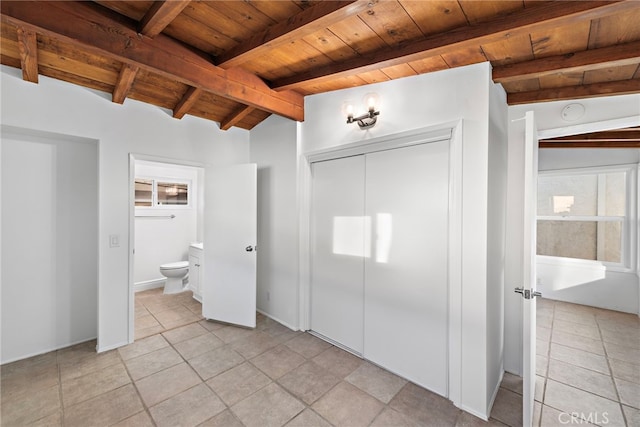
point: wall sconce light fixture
(367, 120)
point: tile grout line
(611, 376)
(615, 385)
(62, 420)
(135, 387)
(546, 376)
(184, 360)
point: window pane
(144, 192)
(171, 193)
(611, 238)
(568, 195)
(614, 194)
(589, 194)
(590, 240)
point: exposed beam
(590, 144)
(621, 87)
(159, 15)
(235, 117)
(617, 135)
(615, 138)
(187, 101)
(541, 16)
(28, 46)
(606, 57)
(315, 18)
(94, 28)
(125, 81)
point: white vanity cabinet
(196, 259)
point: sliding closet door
(339, 242)
(406, 277)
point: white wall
(498, 137)
(49, 242)
(274, 150)
(548, 117)
(562, 158)
(60, 107)
(413, 103)
(162, 240)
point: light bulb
(349, 110)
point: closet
(379, 258)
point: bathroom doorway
(166, 218)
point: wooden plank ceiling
(237, 62)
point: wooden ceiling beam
(235, 117)
(310, 20)
(595, 59)
(125, 82)
(589, 144)
(28, 47)
(159, 15)
(620, 87)
(93, 28)
(187, 101)
(617, 135)
(539, 17)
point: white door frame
(453, 131)
(529, 268)
(132, 223)
(575, 129)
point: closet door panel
(339, 242)
(406, 284)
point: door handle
(527, 293)
(249, 248)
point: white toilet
(175, 273)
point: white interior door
(529, 268)
(406, 277)
(339, 239)
(230, 234)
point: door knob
(249, 248)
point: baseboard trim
(293, 328)
(54, 348)
(112, 347)
(148, 284)
(495, 393)
(475, 413)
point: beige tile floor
(183, 370)
(587, 366)
(588, 363)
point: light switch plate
(114, 241)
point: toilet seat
(174, 265)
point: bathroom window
(172, 193)
(587, 214)
(151, 193)
(144, 192)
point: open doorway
(166, 230)
(548, 312)
(49, 241)
(587, 324)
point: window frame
(628, 221)
(154, 192)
